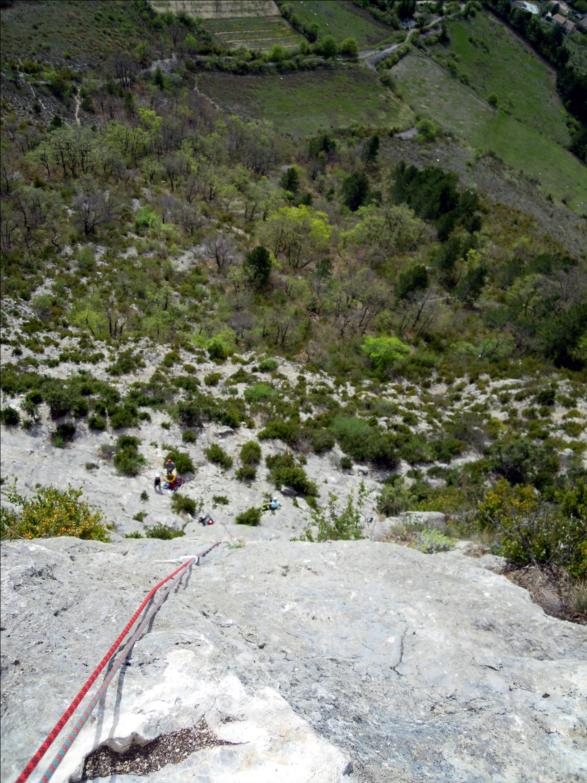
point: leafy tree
(298, 234)
(355, 190)
(384, 352)
(257, 266)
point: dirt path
(78, 103)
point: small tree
(291, 180)
(327, 47)
(349, 48)
(355, 190)
(383, 352)
(258, 267)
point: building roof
(558, 19)
(569, 26)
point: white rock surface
(411, 667)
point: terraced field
(341, 19)
(254, 32)
(218, 9)
(304, 103)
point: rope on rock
(48, 741)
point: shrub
(346, 463)
(9, 416)
(164, 532)
(97, 422)
(181, 504)
(384, 352)
(127, 459)
(257, 265)
(246, 473)
(123, 417)
(189, 436)
(528, 530)
(51, 512)
(63, 433)
(286, 430)
(220, 500)
(218, 456)
(321, 440)
(260, 392)
(430, 541)
(212, 378)
(520, 461)
(394, 498)
(268, 365)
(283, 471)
(134, 534)
(332, 525)
(250, 453)
(183, 461)
(125, 363)
(252, 516)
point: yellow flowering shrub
(51, 512)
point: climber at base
(172, 480)
(271, 505)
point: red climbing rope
(46, 744)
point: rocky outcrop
(286, 661)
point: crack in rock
(141, 759)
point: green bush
(286, 430)
(125, 363)
(332, 525)
(181, 504)
(252, 516)
(124, 417)
(394, 498)
(321, 439)
(530, 531)
(134, 534)
(212, 378)
(218, 456)
(51, 512)
(220, 500)
(10, 417)
(164, 532)
(250, 453)
(283, 471)
(260, 392)
(246, 473)
(97, 422)
(430, 541)
(183, 461)
(63, 433)
(520, 461)
(127, 459)
(268, 365)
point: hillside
(308, 281)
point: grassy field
(432, 92)
(495, 62)
(254, 33)
(304, 103)
(76, 30)
(341, 19)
